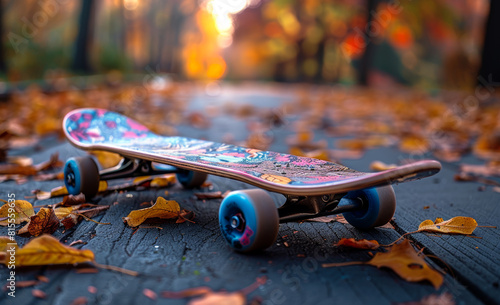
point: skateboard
(249, 219)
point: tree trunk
(83, 40)
(489, 72)
(366, 59)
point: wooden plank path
(187, 255)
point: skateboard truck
(134, 168)
(305, 207)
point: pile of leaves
(69, 212)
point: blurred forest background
(426, 44)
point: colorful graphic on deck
(97, 126)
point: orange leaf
(220, 298)
(359, 244)
(456, 225)
(45, 221)
(47, 250)
(209, 195)
(403, 260)
(149, 293)
(161, 209)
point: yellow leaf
(163, 181)
(57, 191)
(63, 212)
(47, 250)
(456, 225)
(21, 211)
(106, 159)
(140, 180)
(381, 166)
(103, 185)
(4, 241)
(161, 209)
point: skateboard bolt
(236, 221)
(70, 178)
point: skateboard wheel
(81, 175)
(379, 205)
(249, 220)
(191, 179)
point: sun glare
(222, 12)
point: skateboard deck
(99, 129)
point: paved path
(190, 255)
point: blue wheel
(379, 205)
(191, 179)
(81, 175)
(249, 220)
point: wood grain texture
(182, 256)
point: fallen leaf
(480, 170)
(106, 159)
(62, 212)
(220, 298)
(187, 293)
(20, 160)
(24, 284)
(79, 301)
(209, 195)
(161, 209)
(55, 192)
(359, 244)
(149, 293)
(6, 241)
(87, 270)
(73, 200)
(325, 219)
(37, 293)
(163, 181)
(45, 221)
(47, 250)
(381, 166)
(43, 278)
(473, 178)
(184, 216)
(23, 210)
(48, 177)
(456, 225)
(360, 144)
(209, 297)
(414, 144)
(73, 215)
(403, 260)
